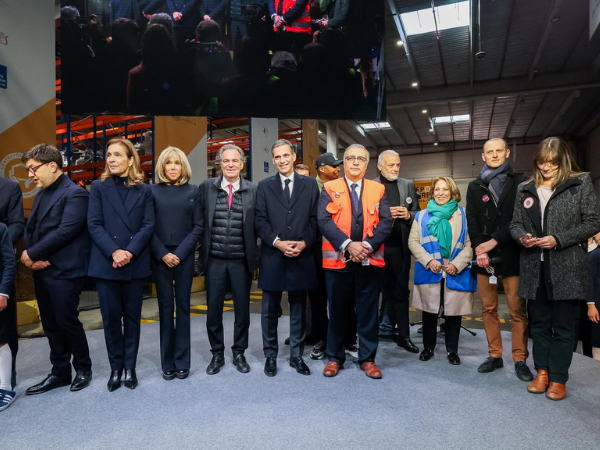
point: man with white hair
(354, 218)
(404, 204)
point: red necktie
(230, 197)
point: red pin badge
(528, 202)
(485, 198)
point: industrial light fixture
(435, 143)
(399, 43)
(424, 111)
(415, 84)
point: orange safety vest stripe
(341, 213)
(301, 24)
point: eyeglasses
(33, 169)
(352, 159)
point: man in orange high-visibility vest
(354, 218)
(291, 21)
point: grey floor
(417, 405)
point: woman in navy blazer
(179, 226)
(121, 224)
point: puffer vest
(227, 237)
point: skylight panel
(448, 16)
(451, 119)
(375, 126)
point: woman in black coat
(555, 213)
(178, 228)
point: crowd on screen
(339, 242)
(239, 57)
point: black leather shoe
(408, 345)
(114, 382)
(82, 380)
(490, 364)
(522, 371)
(453, 358)
(131, 380)
(217, 361)
(426, 354)
(271, 367)
(239, 361)
(300, 366)
(49, 383)
(182, 374)
(169, 375)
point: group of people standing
(339, 241)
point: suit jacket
(209, 190)
(337, 237)
(11, 208)
(115, 225)
(410, 199)
(215, 9)
(8, 263)
(124, 9)
(56, 231)
(293, 221)
(154, 6)
(486, 221)
(291, 14)
(179, 222)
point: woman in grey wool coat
(556, 211)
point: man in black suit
(11, 214)
(354, 218)
(229, 254)
(490, 203)
(286, 222)
(404, 204)
(57, 249)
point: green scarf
(439, 226)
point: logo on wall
(12, 167)
(3, 77)
(3, 38)
(312, 123)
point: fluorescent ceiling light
(375, 126)
(448, 16)
(451, 119)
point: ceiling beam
(472, 42)
(406, 46)
(590, 124)
(513, 115)
(574, 95)
(552, 13)
(457, 146)
(370, 143)
(512, 12)
(542, 84)
(396, 129)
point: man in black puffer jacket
(229, 254)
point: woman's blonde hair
(135, 175)
(172, 153)
(454, 191)
(556, 151)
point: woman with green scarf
(443, 282)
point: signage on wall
(424, 191)
(3, 77)
(266, 167)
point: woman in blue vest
(178, 228)
(121, 224)
(439, 240)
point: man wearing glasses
(57, 250)
(229, 254)
(354, 218)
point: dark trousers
(121, 300)
(58, 301)
(288, 41)
(270, 302)
(318, 300)
(218, 273)
(552, 325)
(174, 335)
(12, 333)
(430, 331)
(395, 292)
(362, 283)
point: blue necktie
(354, 196)
(286, 190)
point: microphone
(493, 262)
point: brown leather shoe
(331, 369)
(556, 391)
(371, 370)
(540, 384)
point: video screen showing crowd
(281, 58)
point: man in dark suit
(404, 204)
(354, 218)
(57, 249)
(490, 203)
(229, 254)
(214, 10)
(286, 222)
(8, 273)
(11, 214)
